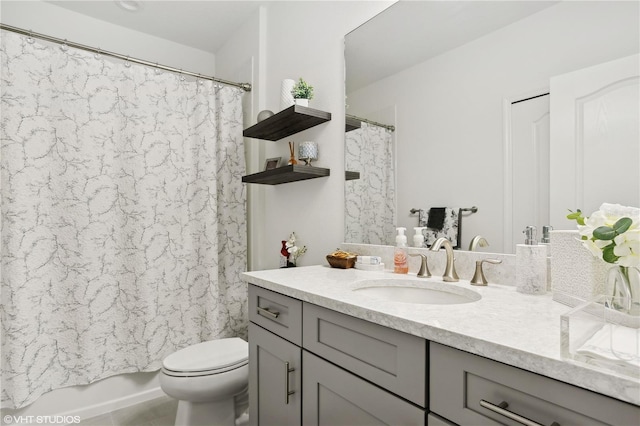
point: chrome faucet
(478, 241)
(450, 274)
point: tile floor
(157, 412)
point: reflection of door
(530, 166)
(595, 138)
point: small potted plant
(302, 92)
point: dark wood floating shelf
(351, 124)
(287, 122)
(348, 175)
(286, 174)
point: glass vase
(623, 287)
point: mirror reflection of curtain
(370, 201)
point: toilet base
(219, 413)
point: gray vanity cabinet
(471, 390)
(314, 366)
(274, 374)
(391, 359)
(340, 371)
(359, 373)
(275, 358)
(333, 396)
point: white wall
(306, 39)
(450, 142)
(243, 59)
(52, 20)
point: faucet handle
(424, 267)
(478, 277)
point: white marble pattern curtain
(370, 202)
(123, 217)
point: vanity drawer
(459, 381)
(391, 359)
(277, 313)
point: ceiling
(407, 33)
(204, 25)
(410, 32)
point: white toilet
(210, 380)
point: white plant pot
(286, 98)
(302, 102)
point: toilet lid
(208, 356)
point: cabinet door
(332, 396)
(472, 390)
(274, 379)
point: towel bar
(467, 209)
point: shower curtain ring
(98, 53)
(30, 39)
(64, 46)
(182, 78)
(157, 69)
(127, 63)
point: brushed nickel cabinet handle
(500, 409)
(267, 313)
(287, 392)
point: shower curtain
(370, 202)
(123, 217)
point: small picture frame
(272, 163)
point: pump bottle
(418, 238)
(400, 263)
(531, 264)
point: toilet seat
(207, 358)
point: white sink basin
(414, 291)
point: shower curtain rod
(375, 123)
(245, 86)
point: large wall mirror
(469, 90)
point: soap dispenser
(531, 264)
(400, 262)
(418, 238)
(546, 234)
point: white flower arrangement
(612, 233)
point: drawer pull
(287, 392)
(500, 409)
(267, 313)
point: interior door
(530, 166)
(595, 138)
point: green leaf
(577, 216)
(605, 233)
(607, 254)
(622, 225)
(573, 215)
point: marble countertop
(504, 325)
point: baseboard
(116, 404)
